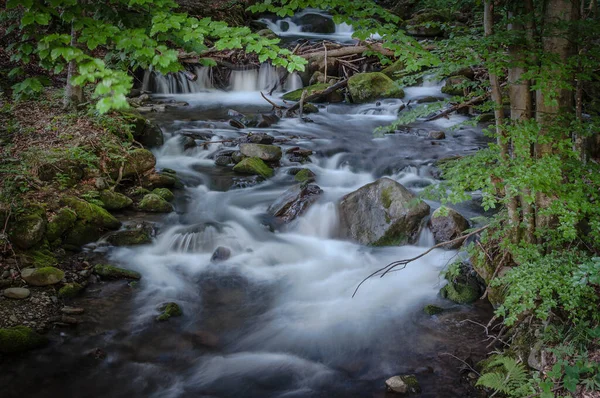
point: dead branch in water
(275, 106)
(403, 263)
(319, 94)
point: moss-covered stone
(161, 180)
(169, 310)
(155, 204)
(454, 85)
(130, 237)
(114, 200)
(253, 166)
(367, 87)
(81, 234)
(297, 94)
(164, 193)
(60, 223)
(394, 69)
(305, 175)
(29, 227)
(431, 309)
(136, 163)
(19, 339)
(310, 108)
(70, 290)
(461, 293)
(91, 214)
(145, 132)
(42, 276)
(112, 272)
(40, 258)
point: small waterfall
(266, 78)
(185, 82)
(426, 238)
(243, 80)
(293, 82)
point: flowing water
(277, 319)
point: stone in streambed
(155, 204)
(169, 310)
(405, 385)
(42, 276)
(164, 193)
(254, 166)
(305, 175)
(20, 339)
(268, 153)
(221, 254)
(368, 87)
(18, 293)
(431, 309)
(437, 135)
(382, 213)
(461, 292)
(447, 224)
(295, 201)
(70, 290)
(112, 272)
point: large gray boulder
(268, 153)
(447, 224)
(383, 213)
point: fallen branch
(463, 361)
(471, 102)
(319, 94)
(403, 263)
(275, 106)
(351, 50)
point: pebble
(13, 319)
(18, 293)
(72, 310)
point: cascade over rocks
(295, 201)
(382, 213)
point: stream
(277, 319)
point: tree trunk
(73, 94)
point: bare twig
(275, 106)
(463, 361)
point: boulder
(297, 94)
(131, 237)
(268, 153)
(295, 201)
(461, 292)
(221, 254)
(368, 87)
(316, 63)
(255, 166)
(382, 213)
(111, 272)
(169, 310)
(161, 180)
(164, 193)
(66, 172)
(20, 339)
(114, 200)
(60, 223)
(453, 85)
(155, 204)
(42, 276)
(70, 290)
(257, 138)
(436, 135)
(404, 385)
(447, 224)
(223, 160)
(91, 214)
(18, 293)
(144, 131)
(29, 227)
(136, 163)
(305, 175)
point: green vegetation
(20, 338)
(169, 310)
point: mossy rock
(137, 162)
(19, 339)
(60, 223)
(397, 67)
(114, 200)
(29, 227)
(309, 108)
(169, 310)
(112, 272)
(70, 290)
(42, 276)
(144, 131)
(305, 175)
(461, 293)
(297, 94)
(129, 237)
(161, 180)
(91, 214)
(81, 234)
(155, 204)
(253, 166)
(368, 87)
(454, 85)
(431, 309)
(164, 193)
(40, 258)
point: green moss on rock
(42, 276)
(60, 223)
(253, 166)
(461, 293)
(155, 204)
(70, 290)
(19, 339)
(367, 87)
(41, 258)
(112, 272)
(305, 175)
(29, 227)
(297, 94)
(169, 310)
(114, 200)
(91, 214)
(164, 193)
(431, 309)
(129, 237)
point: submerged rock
(20, 339)
(447, 224)
(295, 201)
(169, 310)
(436, 135)
(254, 166)
(382, 213)
(42, 276)
(405, 385)
(112, 272)
(368, 87)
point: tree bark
(73, 94)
